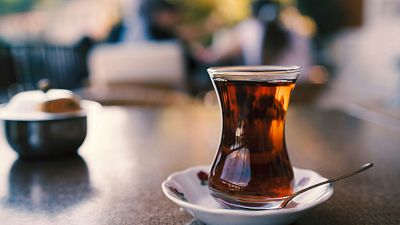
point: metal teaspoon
(291, 197)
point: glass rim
(254, 73)
(254, 70)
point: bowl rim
(8, 115)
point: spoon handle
(363, 168)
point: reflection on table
(48, 186)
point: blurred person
(151, 20)
(165, 21)
(161, 18)
(259, 39)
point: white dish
(189, 190)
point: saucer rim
(325, 196)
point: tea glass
(252, 168)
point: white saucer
(189, 190)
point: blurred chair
(7, 68)
(159, 63)
(65, 66)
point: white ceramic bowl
(189, 190)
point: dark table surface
(129, 151)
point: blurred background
(155, 52)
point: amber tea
(252, 165)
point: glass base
(242, 203)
